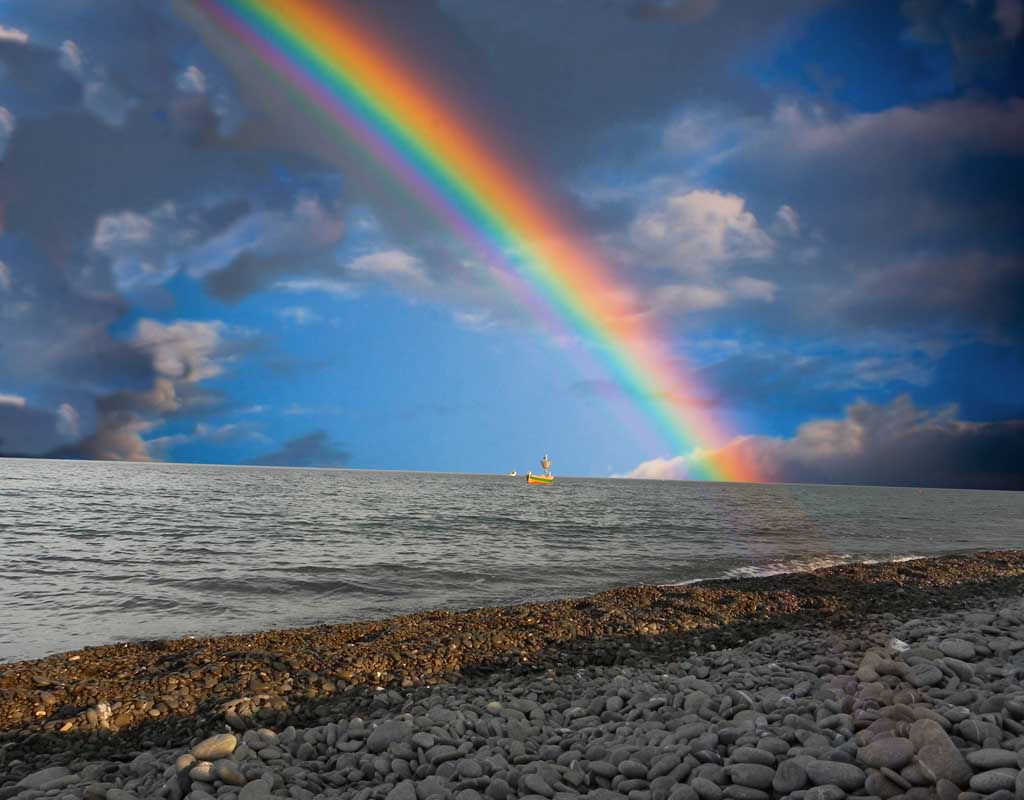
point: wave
(800, 564)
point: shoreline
(164, 691)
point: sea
(94, 553)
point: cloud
(686, 11)
(1010, 16)
(99, 95)
(118, 437)
(787, 222)
(474, 320)
(6, 281)
(26, 430)
(694, 231)
(13, 35)
(7, 125)
(314, 449)
(980, 36)
(183, 351)
(687, 298)
(68, 421)
(895, 444)
(748, 288)
(300, 315)
(900, 236)
(397, 267)
(234, 259)
(191, 80)
(182, 355)
(162, 446)
(937, 293)
(326, 285)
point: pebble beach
(885, 680)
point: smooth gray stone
(937, 756)
(924, 674)
(739, 792)
(992, 758)
(43, 777)
(537, 785)
(752, 755)
(826, 792)
(847, 777)
(227, 771)
(879, 785)
(756, 776)
(957, 648)
(789, 777)
(892, 752)
(993, 780)
(706, 789)
(386, 734)
(255, 790)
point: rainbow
(356, 83)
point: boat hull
(542, 480)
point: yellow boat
(543, 480)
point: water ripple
(97, 552)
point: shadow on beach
(97, 703)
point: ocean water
(93, 553)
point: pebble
(219, 746)
(957, 648)
(756, 776)
(787, 716)
(847, 777)
(992, 758)
(256, 790)
(993, 780)
(892, 752)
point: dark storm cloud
(981, 37)
(28, 431)
(895, 444)
(314, 449)
(900, 223)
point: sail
(545, 463)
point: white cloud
(125, 230)
(7, 125)
(473, 320)
(787, 222)
(747, 288)
(192, 80)
(397, 267)
(12, 400)
(70, 58)
(13, 35)
(697, 230)
(6, 282)
(686, 298)
(68, 421)
(325, 285)
(1009, 14)
(99, 95)
(184, 350)
(300, 315)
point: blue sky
(817, 202)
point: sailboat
(545, 479)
